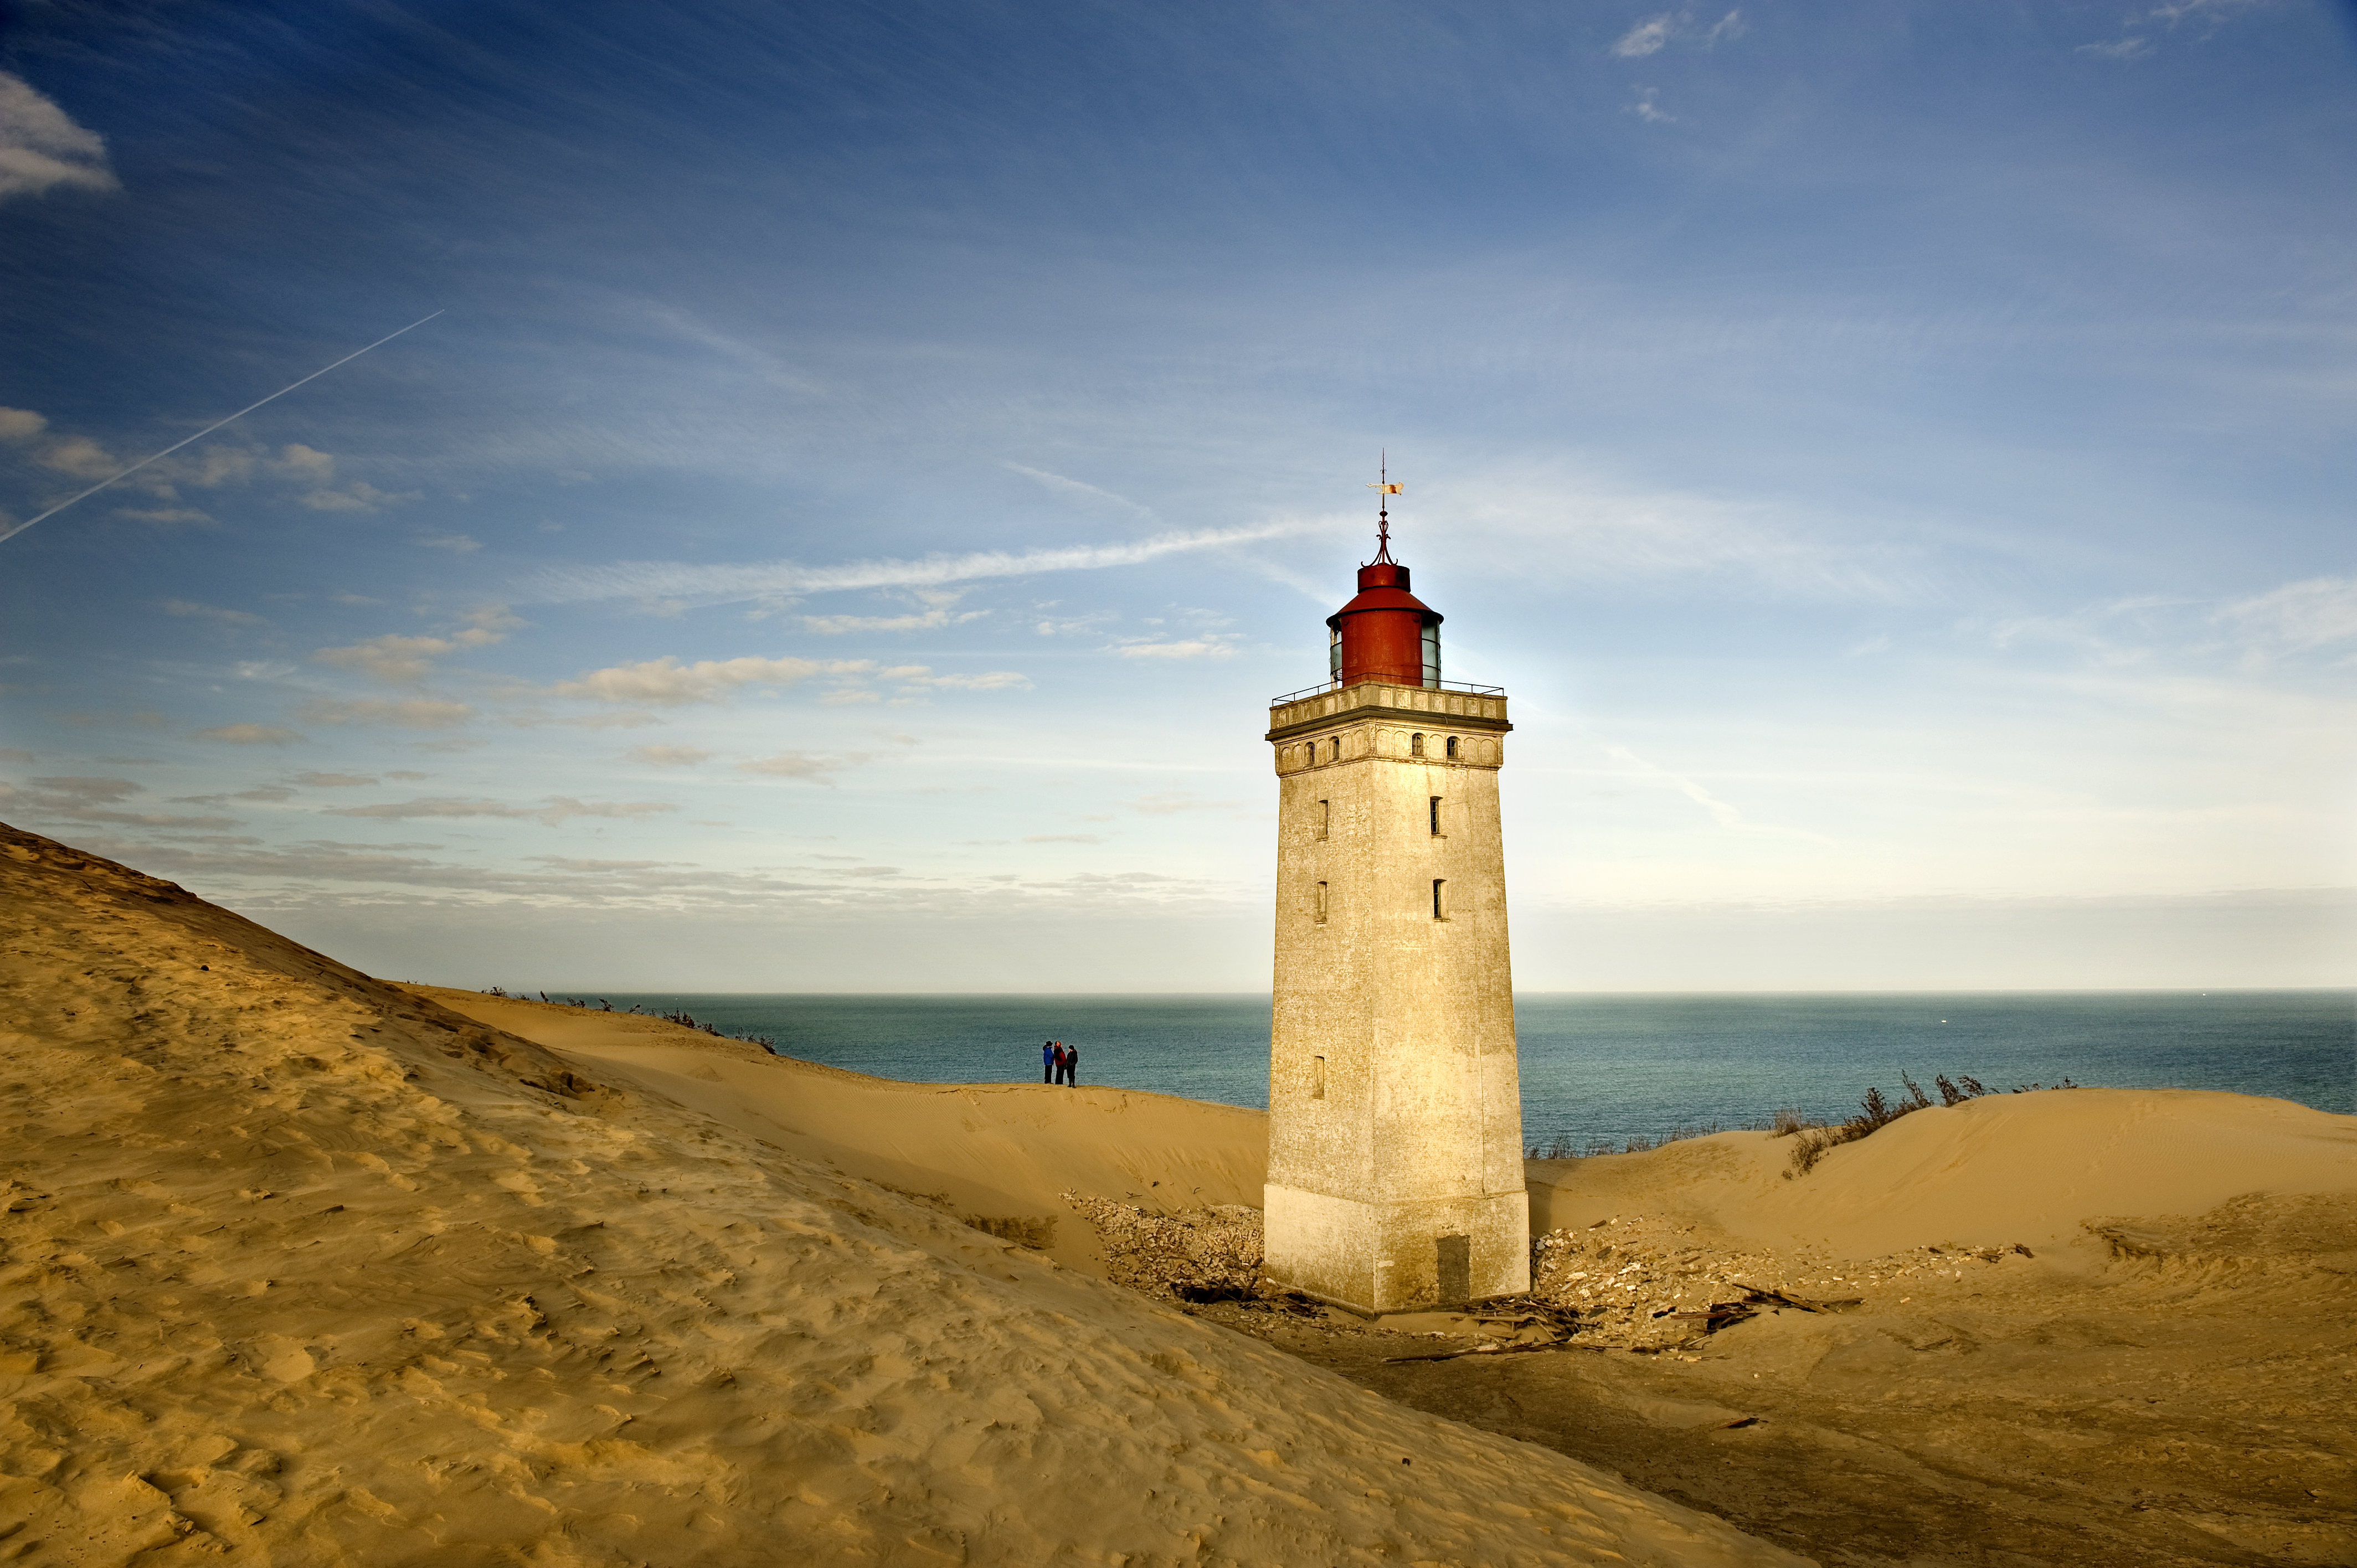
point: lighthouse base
(1405, 1256)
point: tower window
(1321, 903)
(1439, 910)
(1436, 816)
(1431, 656)
(1324, 822)
(1334, 653)
(1338, 748)
(1415, 745)
(1452, 749)
(1316, 1078)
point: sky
(863, 470)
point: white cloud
(361, 496)
(410, 713)
(835, 626)
(211, 612)
(921, 676)
(20, 424)
(80, 458)
(670, 755)
(397, 660)
(163, 514)
(217, 465)
(400, 660)
(41, 147)
(1644, 39)
(666, 683)
(1053, 626)
(487, 624)
(249, 735)
(335, 781)
(1192, 648)
(2118, 48)
(1646, 110)
(305, 464)
(556, 809)
(691, 581)
(802, 764)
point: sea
(1603, 1070)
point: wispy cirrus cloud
(551, 810)
(2298, 615)
(1062, 484)
(73, 799)
(692, 583)
(1725, 815)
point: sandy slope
(2010, 1168)
(1003, 1153)
(303, 1265)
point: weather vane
(1384, 491)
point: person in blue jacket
(1047, 1062)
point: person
(1071, 1066)
(1049, 1061)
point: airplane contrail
(208, 430)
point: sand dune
(1002, 1154)
(2031, 1169)
(309, 1268)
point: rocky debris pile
(1648, 1283)
(1633, 1283)
(1196, 1255)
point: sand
(305, 1269)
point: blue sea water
(1613, 1067)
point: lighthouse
(1394, 1108)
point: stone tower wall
(1395, 1173)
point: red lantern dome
(1386, 633)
